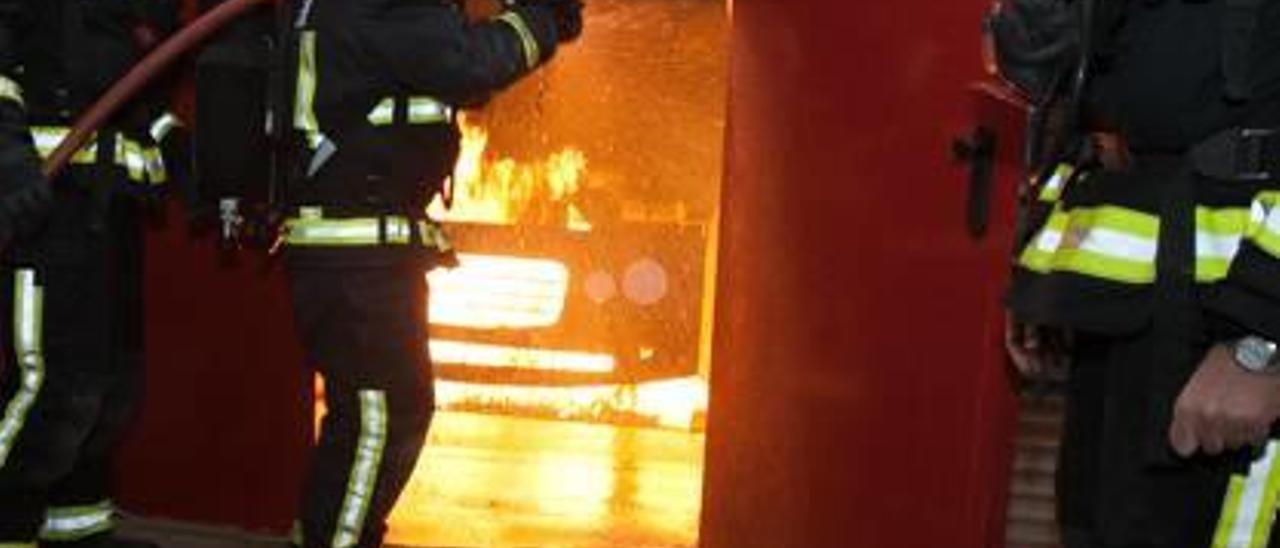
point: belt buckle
(1250, 154)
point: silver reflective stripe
(363, 479)
(1217, 246)
(422, 110)
(28, 312)
(384, 113)
(163, 126)
(78, 522)
(1248, 511)
(10, 90)
(1114, 243)
(425, 110)
(532, 53)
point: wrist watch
(1256, 355)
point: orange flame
(507, 192)
(520, 293)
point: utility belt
(141, 160)
(1245, 155)
(312, 228)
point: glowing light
(645, 282)
(488, 355)
(673, 403)
(505, 191)
(600, 287)
(490, 292)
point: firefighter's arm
(25, 197)
(1223, 406)
(1250, 294)
(432, 48)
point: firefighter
(378, 86)
(1154, 268)
(72, 263)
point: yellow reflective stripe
(1128, 221)
(17, 545)
(295, 534)
(433, 236)
(1264, 222)
(1120, 244)
(28, 335)
(1104, 266)
(129, 155)
(363, 478)
(143, 163)
(1108, 242)
(77, 522)
(384, 113)
(1052, 189)
(346, 232)
(1219, 232)
(532, 53)
(10, 90)
(47, 139)
(304, 113)
(1248, 510)
(157, 174)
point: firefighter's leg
(51, 402)
(365, 329)
(88, 487)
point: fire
(505, 191)
(672, 403)
(517, 293)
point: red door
(859, 394)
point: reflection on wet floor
(487, 480)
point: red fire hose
(140, 75)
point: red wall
(224, 428)
(859, 397)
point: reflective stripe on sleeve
(532, 53)
(163, 126)
(1051, 190)
(10, 90)
(1106, 242)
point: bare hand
(1223, 407)
(1036, 351)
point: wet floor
(488, 480)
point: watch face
(1255, 354)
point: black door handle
(979, 151)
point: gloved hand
(568, 15)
